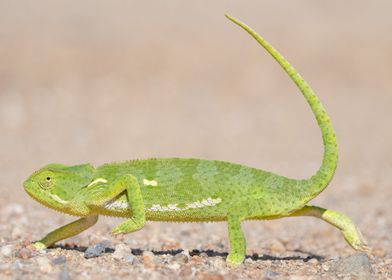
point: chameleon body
(191, 190)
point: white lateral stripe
(150, 183)
(197, 204)
(96, 181)
(58, 199)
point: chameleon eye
(48, 179)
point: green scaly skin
(191, 190)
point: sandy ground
(101, 81)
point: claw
(357, 241)
(362, 244)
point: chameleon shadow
(210, 253)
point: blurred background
(102, 81)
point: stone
(358, 265)
(95, 250)
(150, 259)
(123, 252)
(181, 258)
(174, 266)
(313, 261)
(218, 263)
(131, 259)
(24, 253)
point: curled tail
(318, 182)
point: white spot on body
(150, 182)
(115, 204)
(96, 181)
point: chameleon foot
(234, 260)
(354, 237)
(128, 226)
(39, 245)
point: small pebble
(131, 259)
(24, 253)
(150, 259)
(313, 261)
(6, 250)
(174, 266)
(196, 259)
(219, 263)
(325, 267)
(181, 258)
(59, 260)
(123, 252)
(95, 250)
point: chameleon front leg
(66, 231)
(136, 204)
(350, 232)
(237, 241)
(100, 196)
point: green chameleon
(191, 190)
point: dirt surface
(96, 81)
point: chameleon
(192, 190)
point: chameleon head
(55, 185)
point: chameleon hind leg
(237, 241)
(350, 232)
(66, 231)
(100, 196)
